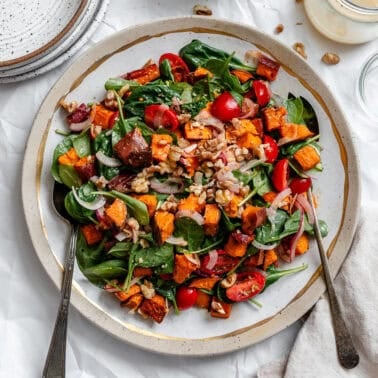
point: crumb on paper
(202, 10)
(279, 29)
(299, 23)
(330, 58)
(299, 47)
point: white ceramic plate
(193, 332)
(54, 54)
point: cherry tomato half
(225, 107)
(223, 265)
(178, 67)
(186, 297)
(160, 115)
(280, 175)
(262, 92)
(271, 149)
(247, 285)
(300, 185)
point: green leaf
(227, 223)
(261, 180)
(79, 213)
(117, 83)
(121, 249)
(68, 176)
(291, 148)
(87, 255)
(160, 257)
(295, 109)
(82, 145)
(64, 146)
(165, 70)
(190, 231)
(106, 270)
(275, 274)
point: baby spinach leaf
(76, 211)
(106, 270)
(227, 223)
(165, 70)
(117, 83)
(190, 231)
(63, 147)
(261, 181)
(197, 54)
(69, 176)
(309, 116)
(291, 148)
(82, 144)
(271, 231)
(121, 249)
(274, 274)
(88, 255)
(168, 290)
(294, 106)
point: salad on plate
(190, 181)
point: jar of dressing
(345, 21)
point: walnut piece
(202, 10)
(279, 29)
(299, 47)
(330, 58)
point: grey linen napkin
(314, 351)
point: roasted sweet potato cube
(284, 204)
(183, 268)
(232, 208)
(253, 217)
(91, 234)
(255, 260)
(269, 258)
(293, 132)
(267, 68)
(102, 116)
(191, 163)
(259, 127)
(155, 308)
(241, 127)
(197, 133)
(204, 283)
(307, 157)
(163, 225)
(125, 295)
(203, 300)
(160, 145)
(212, 217)
(191, 203)
(69, 158)
(134, 302)
(242, 75)
(142, 272)
(249, 141)
(219, 309)
(274, 117)
(117, 212)
(86, 167)
(150, 200)
(201, 73)
(144, 75)
(302, 245)
(237, 244)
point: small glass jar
(345, 21)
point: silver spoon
(346, 351)
(56, 357)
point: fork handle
(55, 364)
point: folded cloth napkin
(314, 351)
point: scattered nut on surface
(279, 29)
(330, 58)
(202, 10)
(299, 47)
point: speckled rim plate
(69, 44)
(345, 195)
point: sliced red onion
(135, 280)
(251, 164)
(264, 247)
(94, 205)
(284, 140)
(159, 115)
(206, 119)
(295, 239)
(121, 236)
(193, 258)
(249, 108)
(180, 241)
(303, 202)
(107, 160)
(271, 210)
(80, 126)
(170, 186)
(197, 217)
(213, 258)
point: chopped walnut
(70, 107)
(330, 58)
(140, 185)
(170, 204)
(279, 29)
(217, 307)
(147, 289)
(299, 47)
(202, 10)
(111, 100)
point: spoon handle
(56, 356)
(346, 351)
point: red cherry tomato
(186, 297)
(160, 115)
(225, 107)
(247, 285)
(262, 92)
(223, 265)
(178, 67)
(280, 175)
(271, 150)
(300, 185)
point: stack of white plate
(38, 35)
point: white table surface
(29, 299)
